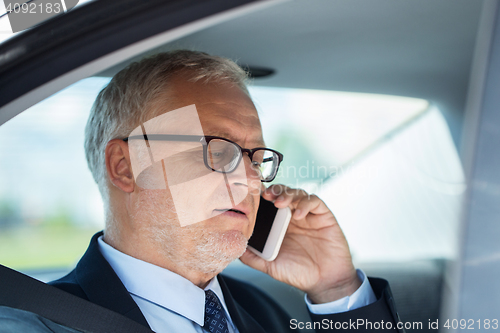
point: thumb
(251, 259)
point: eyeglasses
(223, 155)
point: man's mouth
(236, 211)
(230, 210)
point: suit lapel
(243, 321)
(103, 287)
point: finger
(317, 221)
(290, 197)
(251, 259)
(280, 192)
(309, 204)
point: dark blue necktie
(215, 318)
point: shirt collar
(159, 285)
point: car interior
(387, 110)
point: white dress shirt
(169, 302)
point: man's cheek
(251, 226)
(254, 187)
(195, 200)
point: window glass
(49, 203)
(386, 166)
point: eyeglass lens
(224, 156)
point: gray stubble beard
(212, 250)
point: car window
(49, 204)
(385, 165)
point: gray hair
(122, 104)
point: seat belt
(22, 292)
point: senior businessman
(175, 145)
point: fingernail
(280, 198)
(297, 213)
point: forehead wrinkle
(241, 126)
(230, 136)
(248, 105)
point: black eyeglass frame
(205, 140)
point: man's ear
(118, 165)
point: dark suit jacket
(251, 310)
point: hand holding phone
(270, 228)
(316, 258)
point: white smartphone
(269, 231)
